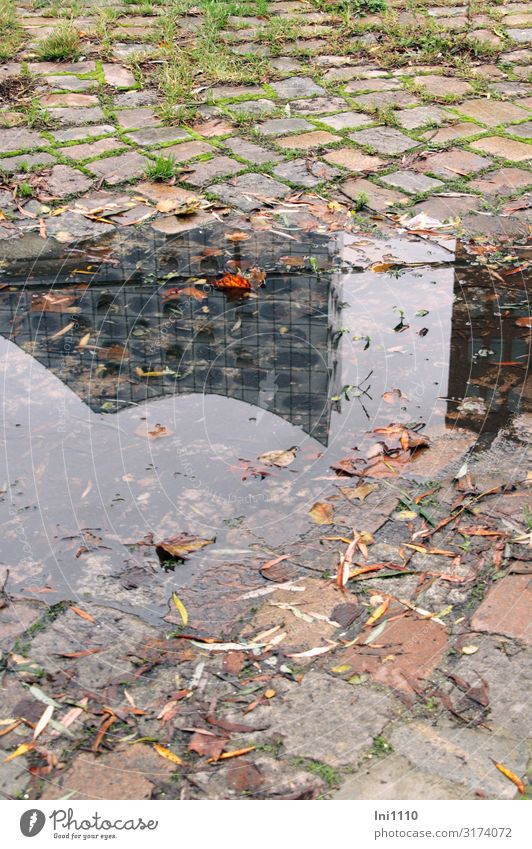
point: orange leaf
(104, 727)
(10, 727)
(277, 560)
(82, 613)
(381, 609)
(84, 653)
(524, 321)
(233, 281)
(321, 513)
(235, 754)
(511, 775)
(237, 237)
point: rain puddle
(142, 383)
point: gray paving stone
(253, 107)
(117, 169)
(378, 198)
(304, 173)
(524, 131)
(283, 126)
(79, 152)
(157, 135)
(14, 164)
(523, 36)
(362, 86)
(249, 191)
(318, 105)
(79, 133)
(346, 120)
(67, 82)
(69, 99)
(70, 115)
(293, 87)
(462, 755)
(491, 112)
(411, 119)
(144, 97)
(384, 140)
(328, 704)
(220, 166)
(118, 76)
(135, 119)
(254, 153)
(226, 92)
(394, 99)
(440, 86)
(395, 778)
(411, 182)
(86, 66)
(186, 150)
(19, 138)
(452, 164)
(506, 181)
(63, 181)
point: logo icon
(32, 822)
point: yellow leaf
(269, 694)
(381, 609)
(234, 754)
(469, 649)
(166, 753)
(181, 608)
(84, 340)
(22, 749)
(321, 513)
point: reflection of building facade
(489, 350)
(274, 349)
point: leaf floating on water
(167, 754)
(322, 513)
(84, 341)
(511, 776)
(233, 281)
(82, 613)
(524, 321)
(178, 547)
(158, 431)
(238, 236)
(392, 396)
(281, 459)
(63, 330)
(181, 608)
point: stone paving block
(395, 778)
(394, 99)
(249, 191)
(318, 105)
(363, 86)
(307, 141)
(384, 139)
(69, 99)
(141, 117)
(157, 192)
(378, 198)
(491, 112)
(227, 92)
(454, 131)
(133, 99)
(67, 116)
(446, 208)
(129, 772)
(353, 160)
(328, 704)
(20, 139)
(15, 618)
(440, 86)
(118, 76)
(523, 36)
(213, 127)
(63, 181)
(523, 131)
(419, 116)
(253, 153)
(283, 126)
(85, 66)
(462, 755)
(157, 135)
(297, 87)
(415, 647)
(452, 164)
(506, 609)
(117, 169)
(220, 166)
(253, 108)
(79, 133)
(67, 82)
(410, 182)
(26, 160)
(173, 225)
(304, 173)
(72, 227)
(79, 152)
(346, 120)
(516, 151)
(503, 182)
(187, 150)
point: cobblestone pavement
(412, 684)
(398, 110)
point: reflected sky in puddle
(134, 408)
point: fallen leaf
(83, 653)
(84, 341)
(178, 547)
(524, 321)
(232, 281)
(281, 459)
(469, 649)
(63, 330)
(361, 491)
(238, 236)
(380, 611)
(102, 731)
(181, 608)
(82, 613)
(21, 750)
(207, 745)
(509, 774)
(166, 753)
(235, 754)
(270, 563)
(321, 513)
(392, 396)
(43, 721)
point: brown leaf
(270, 563)
(322, 513)
(178, 547)
(281, 459)
(104, 727)
(238, 236)
(392, 396)
(82, 613)
(207, 745)
(524, 321)
(361, 491)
